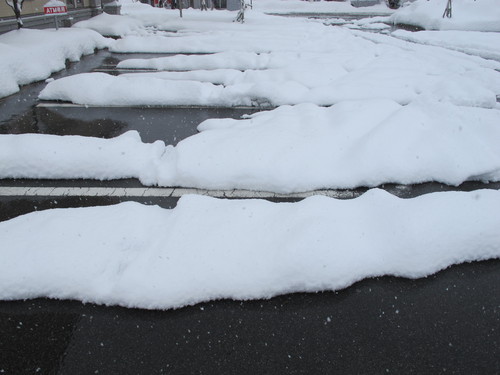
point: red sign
(55, 10)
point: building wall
(33, 7)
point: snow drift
(310, 64)
(474, 15)
(206, 249)
(33, 55)
(290, 149)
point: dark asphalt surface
(446, 323)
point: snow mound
(40, 156)
(206, 249)
(474, 15)
(287, 78)
(296, 62)
(351, 144)
(112, 25)
(290, 149)
(33, 55)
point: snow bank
(202, 32)
(112, 25)
(401, 80)
(107, 90)
(478, 15)
(40, 156)
(207, 249)
(285, 62)
(33, 55)
(290, 149)
(367, 143)
(476, 43)
(222, 60)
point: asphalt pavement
(446, 323)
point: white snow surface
(274, 61)
(356, 109)
(324, 65)
(32, 55)
(41, 156)
(484, 44)
(54, 3)
(207, 249)
(474, 15)
(358, 143)
(318, 7)
(112, 25)
(290, 149)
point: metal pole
(55, 20)
(447, 11)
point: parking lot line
(35, 191)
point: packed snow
(473, 15)
(207, 249)
(33, 55)
(290, 149)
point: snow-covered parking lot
(340, 108)
(315, 190)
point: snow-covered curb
(33, 55)
(207, 249)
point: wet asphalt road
(447, 323)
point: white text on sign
(55, 10)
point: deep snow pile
(478, 15)
(290, 149)
(33, 55)
(148, 257)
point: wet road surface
(446, 323)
